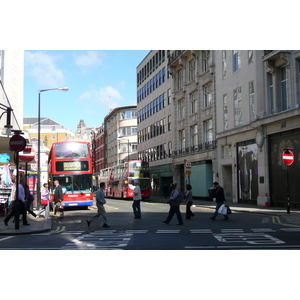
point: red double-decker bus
(119, 180)
(71, 164)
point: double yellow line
(276, 220)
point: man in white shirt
(137, 197)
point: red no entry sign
(17, 143)
(27, 155)
(288, 157)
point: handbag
(60, 206)
(44, 202)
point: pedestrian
(100, 201)
(28, 198)
(58, 198)
(166, 191)
(220, 199)
(22, 209)
(45, 203)
(174, 206)
(137, 197)
(189, 202)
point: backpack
(180, 196)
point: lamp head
(65, 89)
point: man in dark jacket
(174, 205)
(220, 199)
(58, 198)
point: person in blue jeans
(174, 206)
(220, 199)
(137, 197)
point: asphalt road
(241, 231)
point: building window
(207, 95)
(225, 112)
(169, 97)
(270, 91)
(192, 70)
(252, 101)
(224, 64)
(193, 103)
(208, 133)
(237, 96)
(194, 136)
(180, 79)
(170, 148)
(181, 110)
(169, 123)
(165, 150)
(205, 60)
(284, 88)
(133, 130)
(236, 60)
(182, 139)
(250, 56)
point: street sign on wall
(288, 157)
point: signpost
(17, 143)
(288, 159)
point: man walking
(100, 201)
(58, 198)
(137, 197)
(174, 206)
(220, 199)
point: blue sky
(97, 80)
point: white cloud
(104, 98)
(90, 59)
(42, 67)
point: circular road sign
(288, 157)
(27, 155)
(17, 143)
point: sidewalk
(279, 214)
(36, 226)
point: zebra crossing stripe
(201, 231)
(168, 231)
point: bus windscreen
(71, 150)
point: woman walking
(189, 202)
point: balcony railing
(197, 148)
(266, 52)
(173, 56)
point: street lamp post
(38, 192)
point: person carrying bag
(220, 199)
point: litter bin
(211, 194)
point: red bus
(119, 179)
(71, 164)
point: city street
(241, 231)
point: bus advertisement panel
(119, 180)
(71, 164)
